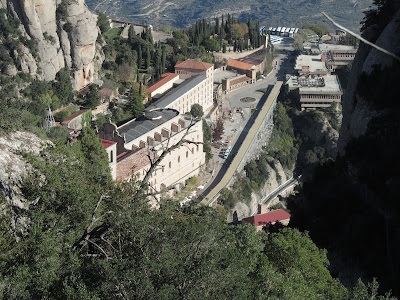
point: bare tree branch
(155, 160)
(101, 249)
(361, 38)
(86, 235)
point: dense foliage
(92, 240)
(283, 145)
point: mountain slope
(180, 13)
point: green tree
(91, 99)
(295, 256)
(148, 57)
(135, 104)
(95, 154)
(102, 22)
(59, 134)
(212, 45)
(196, 110)
(62, 87)
(140, 57)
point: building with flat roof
(317, 92)
(338, 55)
(147, 136)
(311, 65)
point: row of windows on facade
(163, 185)
(170, 163)
(316, 103)
(344, 55)
(310, 96)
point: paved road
(284, 61)
(239, 150)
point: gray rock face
(28, 63)
(57, 48)
(13, 168)
(357, 112)
(244, 210)
(321, 133)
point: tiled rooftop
(73, 116)
(239, 64)
(106, 143)
(194, 65)
(165, 78)
(270, 217)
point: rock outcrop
(65, 33)
(277, 176)
(13, 168)
(358, 110)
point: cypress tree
(147, 57)
(163, 59)
(140, 57)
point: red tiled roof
(73, 116)
(269, 217)
(239, 80)
(106, 143)
(165, 78)
(192, 64)
(239, 64)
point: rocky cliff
(65, 34)
(13, 168)
(373, 80)
(277, 176)
(351, 206)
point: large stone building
(163, 125)
(338, 55)
(148, 136)
(311, 65)
(163, 85)
(197, 89)
(189, 68)
(318, 92)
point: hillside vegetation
(180, 13)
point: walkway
(227, 177)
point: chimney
(323, 58)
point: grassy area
(113, 33)
(190, 185)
